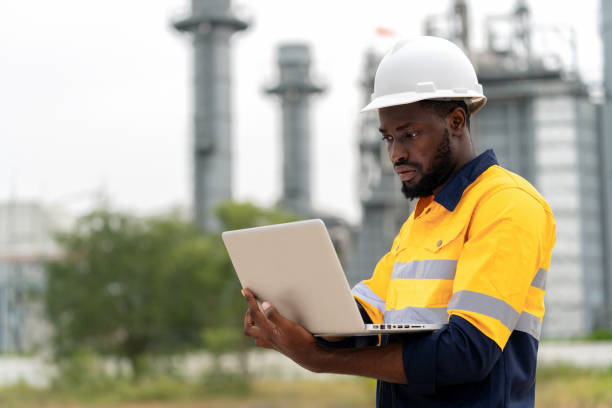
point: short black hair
(444, 107)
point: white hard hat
(425, 68)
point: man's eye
(410, 135)
(387, 138)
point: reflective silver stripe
(529, 324)
(486, 305)
(429, 269)
(417, 315)
(540, 279)
(362, 291)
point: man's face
(419, 147)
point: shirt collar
(450, 195)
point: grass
(175, 393)
(558, 387)
(566, 386)
(600, 334)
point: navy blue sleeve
(364, 315)
(432, 360)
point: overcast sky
(96, 95)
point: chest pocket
(447, 240)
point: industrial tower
(211, 25)
(606, 151)
(294, 89)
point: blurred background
(132, 133)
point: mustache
(405, 162)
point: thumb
(273, 315)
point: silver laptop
(294, 266)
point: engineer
(474, 254)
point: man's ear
(457, 119)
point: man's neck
(462, 161)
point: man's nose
(398, 151)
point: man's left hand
(271, 330)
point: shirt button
(439, 243)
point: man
(473, 254)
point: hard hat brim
(475, 101)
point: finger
(249, 327)
(247, 292)
(274, 316)
(258, 317)
(248, 320)
(254, 332)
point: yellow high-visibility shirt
(482, 253)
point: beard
(438, 173)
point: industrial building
(542, 124)
(26, 243)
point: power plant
(541, 119)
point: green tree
(128, 286)
(233, 215)
(224, 329)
